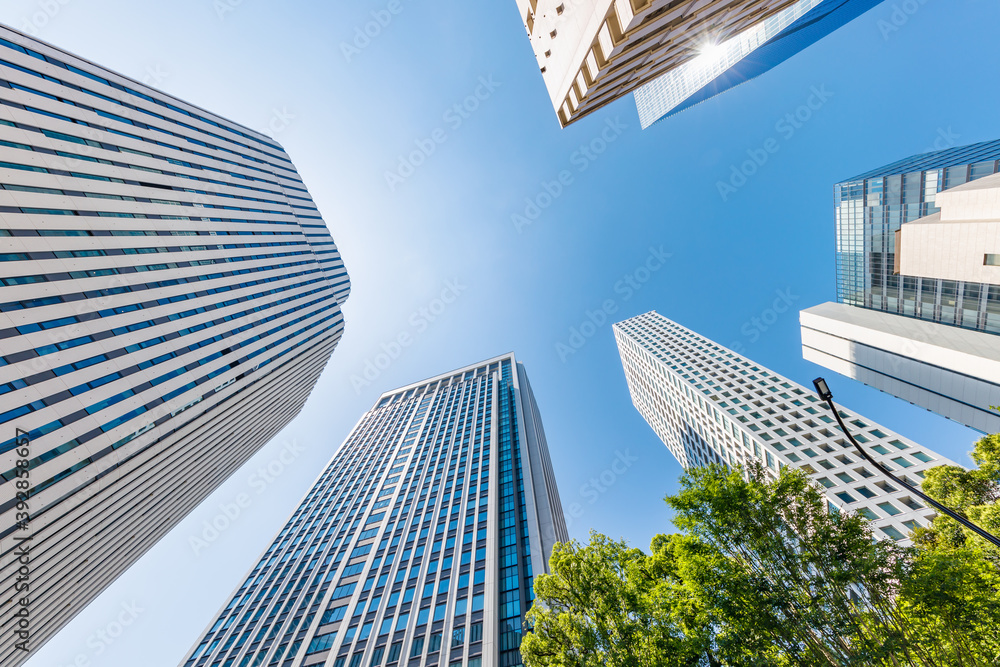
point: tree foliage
(951, 596)
(764, 574)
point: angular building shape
(952, 371)
(417, 545)
(960, 242)
(591, 52)
(709, 404)
(871, 207)
(929, 339)
(745, 56)
(169, 295)
(672, 54)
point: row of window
(132, 91)
(370, 583)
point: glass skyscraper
(930, 341)
(709, 404)
(592, 52)
(169, 295)
(746, 55)
(869, 211)
(417, 545)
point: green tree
(952, 596)
(788, 577)
(972, 493)
(605, 604)
(764, 574)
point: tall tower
(169, 295)
(744, 56)
(930, 339)
(672, 54)
(710, 405)
(417, 545)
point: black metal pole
(826, 395)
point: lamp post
(826, 395)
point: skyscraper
(671, 54)
(410, 548)
(591, 52)
(952, 371)
(926, 339)
(710, 405)
(871, 207)
(745, 56)
(961, 241)
(169, 295)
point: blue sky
(345, 120)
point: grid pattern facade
(711, 405)
(869, 211)
(771, 42)
(591, 52)
(169, 295)
(416, 546)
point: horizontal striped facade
(169, 295)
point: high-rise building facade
(952, 371)
(673, 55)
(417, 545)
(871, 207)
(709, 404)
(591, 52)
(960, 242)
(931, 339)
(169, 295)
(744, 56)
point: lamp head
(822, 389)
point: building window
(394, 652)
(991, 260)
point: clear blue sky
(893, 94)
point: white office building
(709, 404)
(169, 295)
(952, 371)
(672, 55)
(918, 292)
(591, 52)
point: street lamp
(826, 395)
